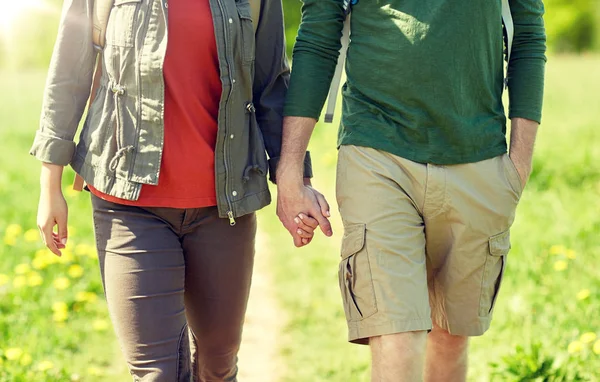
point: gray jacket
(121, 143)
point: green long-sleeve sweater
(424, 77)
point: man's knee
(442, 339)
(405, 343)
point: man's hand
(522, 139)
(298, 206)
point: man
(425, 189)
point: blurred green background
(53, 320)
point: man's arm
(315, 57)
(526, 81)
(522, 140)
(293, 195)
(271, 82)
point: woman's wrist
(51, 176)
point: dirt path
(259, 359)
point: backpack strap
(337, 76)
(509, 29)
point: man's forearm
(522, 140)
(296, 135)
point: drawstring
(118, 91)
(120, 153)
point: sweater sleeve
(315, 57)
(527, 61)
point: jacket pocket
(355, 277)
(120, 28)
(493, 272)
(257, 156)
(247, 30)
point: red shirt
(192, 95)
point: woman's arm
(65, 96)
(67, 86)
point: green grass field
(53, 319)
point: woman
(173, 152)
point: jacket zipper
(225, 151)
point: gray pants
(164, 269)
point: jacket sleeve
(315, 57)
(527, 61)
(67, 86)
(271, 80)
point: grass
(550, 297)
(542, 306)
(54, 324)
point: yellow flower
(60, 316)
(11, 241)
(560, 265)
(67, 256)
(100, 325)
(82, 249)
(596, 347)
(557, 249)
(571, 254)
(575, 347)
(94, 371)
(86, 297)
(45, 366)
(13, 230)
(13, 354)
(60, 306)
(34, 279)
(21, 269)
(61, 283)
(19, 281)
(583, 294)
(75, 271)
(4, 279)
(32, 235)
(39, 263)
(71, 193)
(26, 360)
(588, 337)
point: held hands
(301, 209)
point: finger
(324, 205)
(303, 234)
(323, 222)
(308, 221)
(62, 229)
(297, 241)
(305, 241)
(305, 227)
(47, 237)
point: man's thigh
(468, 243)
(382, 273)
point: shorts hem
(474, 329)
(360, 334)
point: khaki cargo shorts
(422, 243)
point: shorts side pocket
(493, 272)
(355, 277)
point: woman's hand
(52, 209)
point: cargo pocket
(247, 30)
(493, 272)
(119, 31)
(355, 278)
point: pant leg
(382, 272)
(143, 273)
(219, 260)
